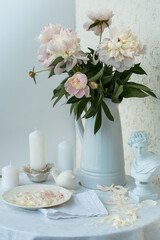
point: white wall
(25, 106)
(144, 18)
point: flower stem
(42, 71)
(76, 68)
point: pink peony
(120, 50)
(101, 15)
(77, 85)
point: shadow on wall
(24, 105)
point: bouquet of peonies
(96, 74)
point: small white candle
(65, 156)
(10, 177)
(37, 150)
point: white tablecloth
(19, 224)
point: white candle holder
(37, 175)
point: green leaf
(106, 79)
(108, 70)
(133, 92)
(75, 108)
(138, 86)
(106, 22)
(91, 50)
(63, 66)
(118, 91)
(58, 89)
(106, 90)
(56, 61)
(100, 89)
(126, 78)
(91, 73)
(97, 22)
(141, 87)
(98, 121)
(70, 73)
(51, 73)
(81, 106)
(61, 94)
(107, 111)
(90, 113)
(55, 94)
(84, 70)
(73, 100)
(96, 101)
(96, 76)
(115, 100)
(53, 98)
(151, 93)
(34, 79)
(116, 86)
(137, 69)
(71, 108)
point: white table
(19, 224)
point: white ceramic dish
(9, 196)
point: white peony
(101, 15)
(60, 42)
(120, 50)
(47, 33)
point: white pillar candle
(10, 177)
(65, 156)
(37, 150)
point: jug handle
(80, 129)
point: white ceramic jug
(102, 160)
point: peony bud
(93, 85)
(32, 74)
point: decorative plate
(36, 196)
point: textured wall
(144, 18)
